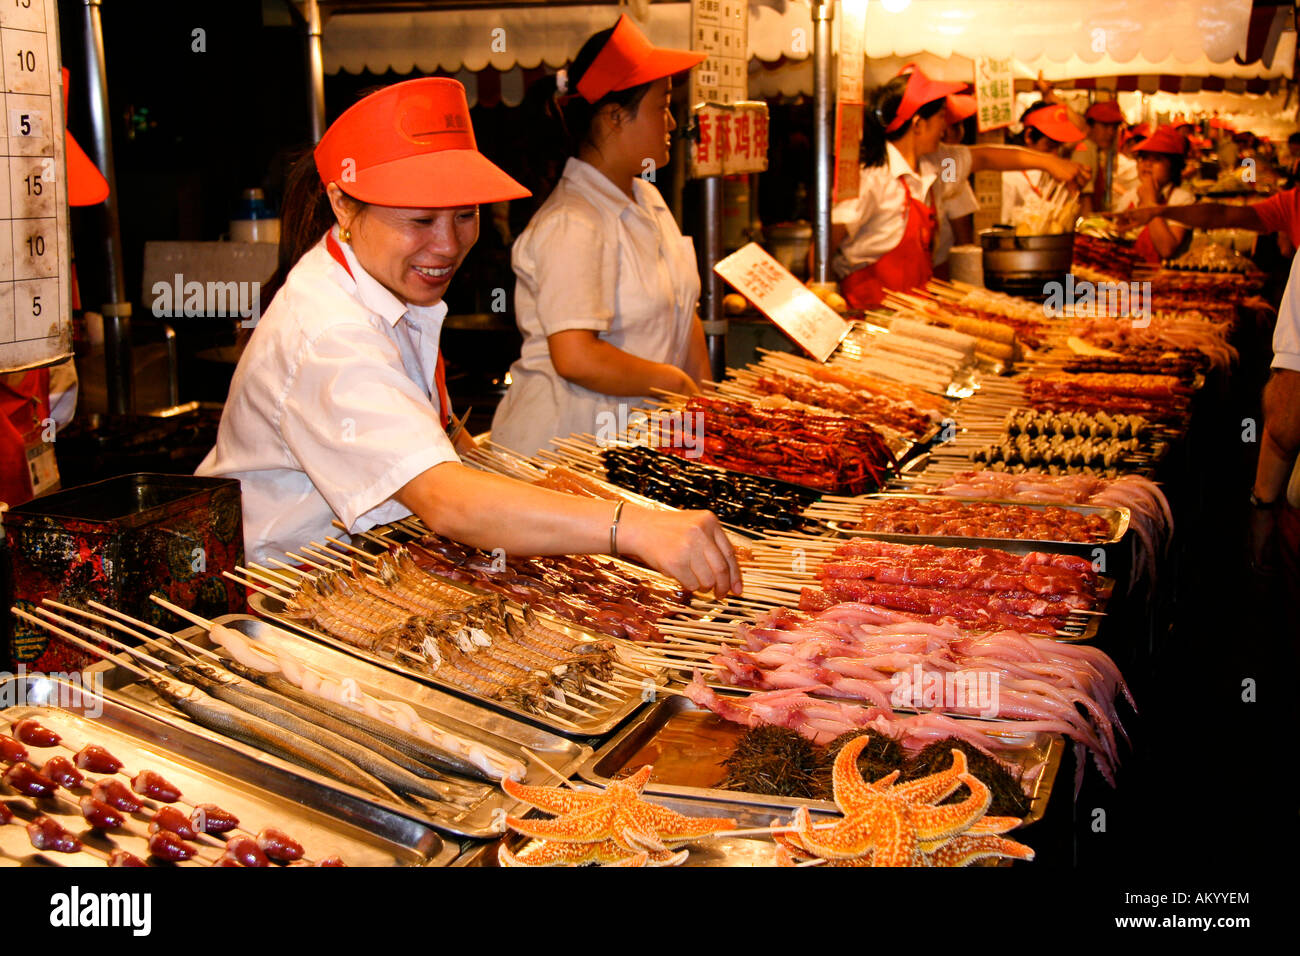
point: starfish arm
(935, 787)
(636, 859)
(965, 850)
(988, 825)
(552, 799)
(852, 794)
(674, 827)
(635, 783)
(848, 838)
(934, 823)
(548, 853)
(587, 827)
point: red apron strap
(440, 372)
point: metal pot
(1022, 265)
(789, 242)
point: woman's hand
(687, 545)
(1068, 171)
(1148, 191)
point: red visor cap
(629, 59)
(86, 184)
(920, 90)
(1104, 112)
(958, 107)
(1054, 123)
(1164, 140)
(411, 144)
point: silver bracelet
(613, 529)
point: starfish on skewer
(614, 826)
(891, 824)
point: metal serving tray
(480, 820)
(1118, 519)
(260, 791)
(724, 851)
(687, 744)
(601, 723)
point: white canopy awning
(1063, 38)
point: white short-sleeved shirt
(333, 407)
(876, 218)
(1286, 335)
(593, 259)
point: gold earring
(345, 234)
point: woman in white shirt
(885, 238)
(339, 408)
(606, 284)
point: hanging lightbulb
(895, 6)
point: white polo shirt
(333, 407)
(875, 218)
(593, 259)
(956, 198)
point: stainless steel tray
(685, 739)
(725, 851)
(261, 792)
(1118, 519)
(602, 722)
(481, 819)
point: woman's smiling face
(413, 253)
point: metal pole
(823, 146)
(715, 323)
(118, 377)
(316, 69)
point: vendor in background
(1100, 154)
(1048, 130)
(1161, 157)
(884, 239)
(339, 408)
(606, 286)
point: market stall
(958, 524)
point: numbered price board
(35, 313)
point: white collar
(590, 178)
(375, 297)
(898, 167)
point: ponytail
(879, 111)
(305, 216)
(557, 125)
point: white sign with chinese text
(730, 139)
(995, 92)
(807, 320)
(848, 100)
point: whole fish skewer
(221, 717)
(258, 702)
(433, 745)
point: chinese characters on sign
(848, 100)
(720, 28)
(995, 92)
(730, 139)
(809, 322)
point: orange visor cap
(411, 144)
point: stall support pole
(715, 324)
(823, 143)
(316, 67)
(117, 310)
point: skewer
(249, 584)
(270, 577)
(78, 642)
(564, 781)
